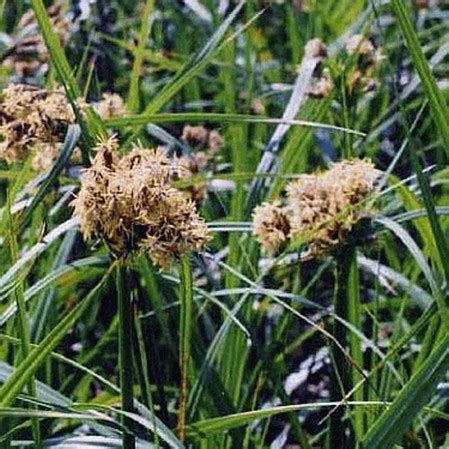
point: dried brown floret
(359, 44)
(29, 55)
(206, 143)
(111, 105)
(215, 143)
(271, 225)
(424, 4)
(130, 203)
(325, 206)
(195, 135)
(315, 48)
(320, 87)
(364, 76)
(32, 118)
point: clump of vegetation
(224, 224)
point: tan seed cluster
(271, 225)
(321, 84)
(322, 207)
(370, 57)
(111, 105)
(29, 55)
(206, 144)
(129, 202)
(30, 119)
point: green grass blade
(396, 420)
(438, 106)
(133, 93)
(138, 120)
(13, 386)
(186, 323)
(93, 125)
(70, 141)
(224, 423)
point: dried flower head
(271, 225)
(31, 116)
(320, 87)
(325, 206)
(206, 144)
(321, 208)
(315, 48)
(29, 55)
(359, 44)
(195, 135)
(111, 105)
(129, 202)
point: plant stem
(23, 321)
(125, 354)
(186, 296)
(340, 376)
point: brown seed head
(271, 225)
(361, 45)
(111, 105)
(325, 206)
(315, 48)
(130, 203)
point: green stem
(186, 321)
(355, 318)
(125, 354)
(341, 381)
(23, 321)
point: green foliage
(234, 347)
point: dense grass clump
(224, 224)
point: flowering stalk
(125, 354)
(341, 375)
(186, 294)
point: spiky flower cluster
(31, 117)
(29, 55)
(321, 84)
(129, 202)
(370, 57)
(206, 144)
(110, 105)
(322, 208)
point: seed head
(111, 105)
(129, 202)
(315, 48)
(271, 225)
(325, 206)
(361, 45)
(32, 117)
(321, 208)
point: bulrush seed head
(206, 144)
(29, 56)
(322, 208)
(129, 202)
(327, 205)
(33, 119)
(271, 225)
(111, 105)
